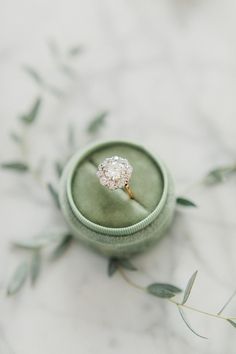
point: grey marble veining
(166, 72)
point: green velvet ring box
(109, 221)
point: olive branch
(59, 242)
(169, 292)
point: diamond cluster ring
(114, 173)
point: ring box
(109, 221)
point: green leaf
(33, 74)
(30, 117)
(189, 287)
(185, 202)
(125, 263)
(58, 168)
(62, 247)
(112, 266)
(74, 51)
(16, 137)
(17, 166)
(163, 290)
(97, 123)
(54, 195)
(35, 266)
(227, 303)
(30, 244)
(233, 323)
(38, 242)
(219, 175)
(17, 279)
(188, 325)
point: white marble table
(166, 72)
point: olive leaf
(189, 287)
(54, 195)
(97, 122)
(17, 166)
(188, 325)
(219, 174)
(112, 266)
(35, 266)
(163, 290)
(38, 242)
(58, 168)
(18, 279)
(233, 323)
(62, 247)
(16, 137)
(34, 243)
(33, 74)
(227, 303)
(185, 202)
(31, 116)
(74, 51)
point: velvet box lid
(110, 221)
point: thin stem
(142, 288)
(129, 281)
(25, 154)
(197, 310)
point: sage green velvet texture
(114, 208)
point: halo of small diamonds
(114, 172)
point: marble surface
(166, 72)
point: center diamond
(114, 172)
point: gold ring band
(129, 191)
